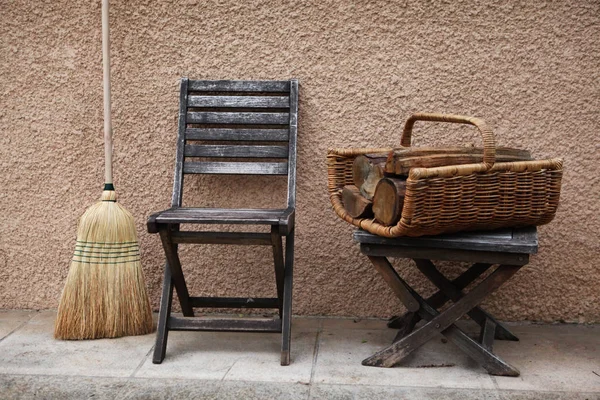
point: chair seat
(182, 215)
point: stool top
(511, 240)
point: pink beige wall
(530, 68)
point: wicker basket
(455, 198)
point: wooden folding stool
(229, 121)
(509, 248)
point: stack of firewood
(380, 179)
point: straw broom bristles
(105, 295)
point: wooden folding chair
(218, 119)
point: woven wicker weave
(455, 198)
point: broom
(105, 295)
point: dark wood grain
(236, 168)
(162, 329)
(178, 174)
(488, 360)
(220, 216)
(239, 101)
(279, 266)
(239, 86)
(438, 299)
(442, 321)
(286, 317)
(454, 293)
(229, 134)
(383, 267)
(234, 302)
(236, 151)
(291, 196)
(406, 324)
(488, 331)
(233, 238)
(446, 254)
(170, 249)
(227, 325)
(238, 118)
(521, 240)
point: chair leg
(286, 319)
(162, 330)
(279, 265)
(176, 272)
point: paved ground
(556, 362)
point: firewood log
(367, 170)
(403, 160)
(389, 200)
(356, 205)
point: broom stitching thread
(105, 263)
(84, 252)
(109, 243)
(118, 256)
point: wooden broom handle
(489, 144)
(108, 144)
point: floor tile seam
(22, 324)
(141, 364)
(228, 369)
(496, 387)
(315, 359)
(122, 394)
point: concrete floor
(556, 362)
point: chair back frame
(237, 111)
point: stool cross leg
(454, 293)
(407, 322)
(442, 322)
(467, 247)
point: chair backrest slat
(245, 125)
(238, 168)
(234, 151)
(238, 101)
(245, 135)
(238, 118)
(240, 86)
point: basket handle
(489, 146)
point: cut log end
(356, 205)
(367, 170)
(389, 200)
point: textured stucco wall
(531, 69)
